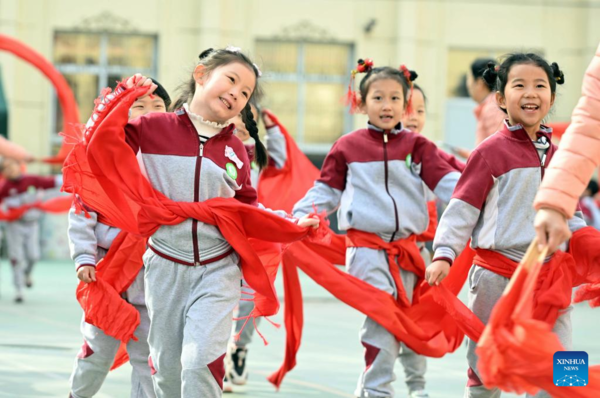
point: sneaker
(28, 281)
(239, 373)
(227, 384)
(418, 394)
(18, 298)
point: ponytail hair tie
(559, 76)
(363, 66)
(490, 74)
(410, 76)
(205, 53)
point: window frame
(103, 70)
(301, 78)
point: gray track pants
(191, 310)
(485, 288)
(98, 353)
(23, 241)
(381, 347)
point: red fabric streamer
(402, 254)
(554, 285)
(429, 234)
(60, 204)
(65, 95)
(281, 188)
(129, 202)
(516, 350)
(425, 326)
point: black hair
(478, 67)
(386, 72)
(260, 152)
(162, 93)
(593, 187)
(212, 59)
(417, 87)
(497, 77)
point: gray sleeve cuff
(87, 259)
(444, 253)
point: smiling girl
(192, 272)
(375, 177)
(492, 203)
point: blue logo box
(570, 368)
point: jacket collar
(183, 115)
(517, 132)
(399, 128)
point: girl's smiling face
(527, 96)
(384, 103)
(223, 93)
(415, 121)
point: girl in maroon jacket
(192, 277)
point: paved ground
(40, 338)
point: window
(91, 61)
(305, 83)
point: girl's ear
(552, 98)
(361, 105)
(199, 76)
(500, 100)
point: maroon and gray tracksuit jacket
(183, 168)
(376, 177)
(493, 201)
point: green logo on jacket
(231, 170)
(408, 160)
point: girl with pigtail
(374, 178)
(236, 371)
(492, 205)
(192, 276)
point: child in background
(89, 241)
(23, 235)
(589, 206)
(493, 200)
(369, 175)
(237, 353)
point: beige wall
(418, 33)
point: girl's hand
(87, 273)
(138, 80)
(308, 221)
(436, 272)
(551, 229)
(266, 119)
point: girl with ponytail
(192, 272)
(493, 205)
(374, 177)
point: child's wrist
(85, 265)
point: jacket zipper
(542, 159)
(387, 189)
(197, 199)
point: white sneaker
(418, 394)
(227, 384)
(239, 372)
